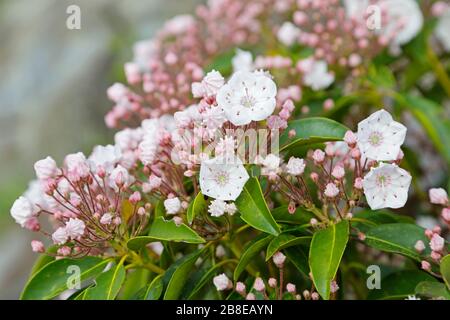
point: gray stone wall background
(52, 93)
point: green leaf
(107, 284)
(368, 219)
(222, 63)
(52, 279)
(135, 281)
(207, 277)
(327, 248)
(254, 210)
(250, 251)
(445, 270)
(284, 240)
(311, 131)
(398, 238)
(300, 216)
(432, 290)
(197, 206)
(155, 288)
(160, 211)
(43, 260)
(178, 274)
(298, 256)
(399, 285)
(163, 230)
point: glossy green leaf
(445, 270)
(327, 248)
(365, 220)
(399, 285)
(254, 210)
(43, 260)
(177, 275)
(107, 284)
(252, 249)
(197, 206)
(397, 237)
(429, 289)
(135, 280)
(298, 256)
(163, 230)
(155, 288)
(160, 211)
(283, 241)
(311, 131)
(52, 279)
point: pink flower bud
(437, 229)
(290, 287)
(338, 172)
(437, 243)
(331, 190)
(250, 296)
(292, 133)
(358, 183)
(350, 138)
(272, 282)
(135, 197)
(318, 156)
(141, 211)
(334, 287)
(419, 246)
(438, 196)
(329, 150)
(314, 177)
(64, 251)
(259, 284)
(429, 233)
(291, 207)
(313, 222)
(306, 294)
(361, 236)
(32, 224)
(117, 221)
(355, 154)
(314, 296)
(349, 216)
(445, 214)
(279, 259)
(328, 104)
(240, 288)
(436, 256)
(37, 246)
(426, 265)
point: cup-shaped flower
(223, 178)
(386, 186)
(247, 97)
(380, 137)
(22, 210)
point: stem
(438, 70)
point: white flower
(271, 165)
(46, 168)
(105, 156)
(247, 97)
(437, 243)
(288, 33)
(412, 297)
(60, 236)
(22, 210)
(222, 282)
(75, 228)
(386, 186)
(213, 118)
(217, 208)
(223, 178)
(220, 251)
(179, 24)
(442, 28)
(295, 166)
(120, 177)
(128, 139)
(380, 137)
(242, 61)
(316, 74)
(172, 205)
(231, 208)
(404, 19)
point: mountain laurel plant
(266, 149)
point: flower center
(222, 178)
(383, 181)
(375, 138)
(248, 101)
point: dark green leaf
(298, 256)
(107, 284)
(436, 290)
(155, 288)
(300, 216)
(327, 248)
(250, 251)
(399, 285)
(52, 279)
(254, 210)
(283, 241)
(397, 237)
(445, 270)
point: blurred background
(53, 85)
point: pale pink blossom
(438, 196)
(37, 246)
(331, 190)
(222, 282)
(46, 169)
(437, 243)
